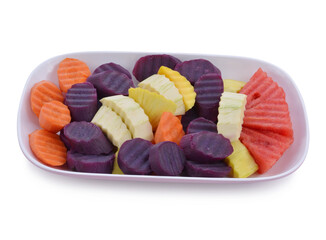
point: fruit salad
(166, 117)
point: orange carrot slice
(169, 129)
(72, 71)
(48, 147)
(42, 92)
(54, 116)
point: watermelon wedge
(267, 128)
(254, 82)
(272, 115)
(260, 88)
(266, 147)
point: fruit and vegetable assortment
(181, 119)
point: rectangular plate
(237, 68)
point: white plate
(238, 68)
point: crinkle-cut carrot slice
(72, 71)
(42, 92)
(169, 129)
(47, 147)
(54, 116)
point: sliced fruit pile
(182, 119)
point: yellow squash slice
(153, 104)
(185, 88)
(162, 85)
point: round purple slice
(148, 65)
(194, 69)
(110, 83)
(133, 157)
(190, 115)
(167, 159)
(201, 124)
(87, 138)
(206, 147)
(219, 169)
(90, 163)
(112, 66)
(209, 89)
(81, 100)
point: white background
(35, 204)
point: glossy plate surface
(237, 68)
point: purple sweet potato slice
(112, 66)
(167, 159)
(209, 89)
(148, 65)
(190, 115)
(219, 169)
(110, 83)
(81, 100)
(195, 68)
(133, 157)
(201, 124)
(90, 163)
(87, 138)
(206, 147)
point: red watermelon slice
(266, 147)
(254, 81)
(267, 128)
(272, 115)
(260, 88)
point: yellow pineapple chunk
(242, 163)
(183, 85)
(116, 168)
(153, 104)
(233, 85)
